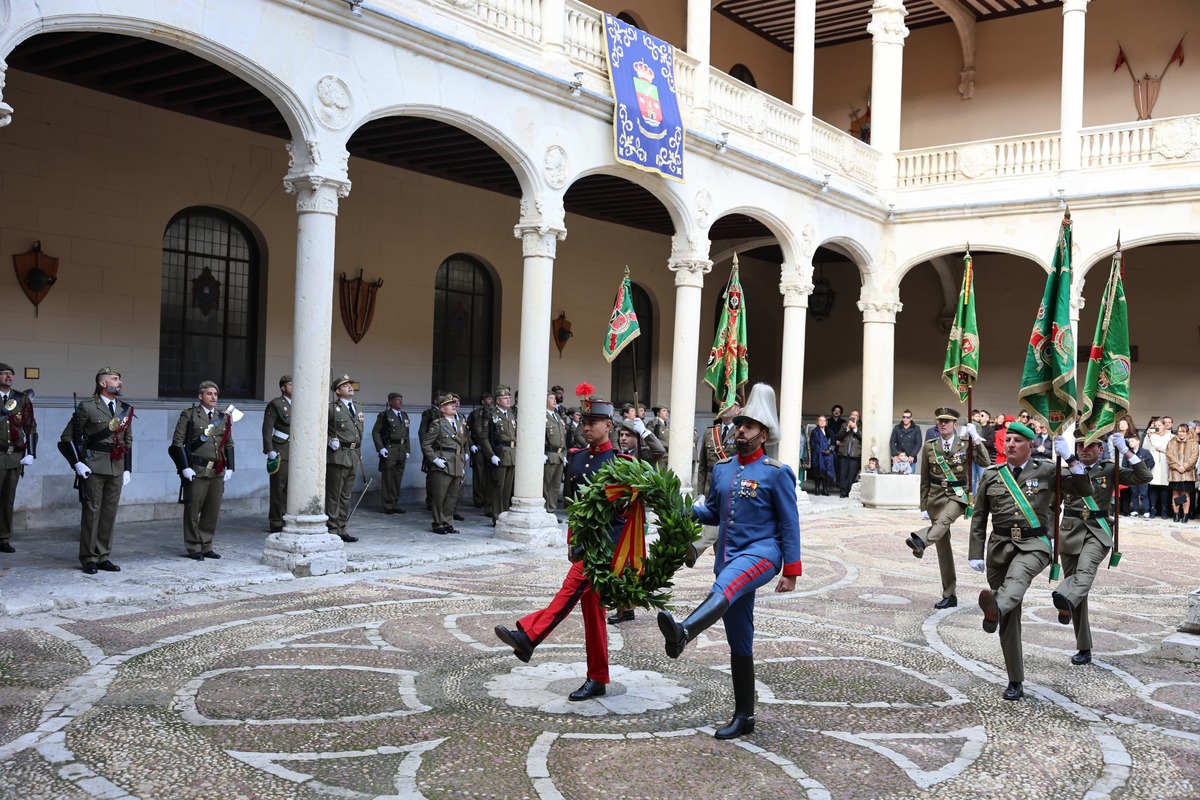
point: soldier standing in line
(1086, 535)
(718, 444)
(98, 444)
(202, 449)
(575, 438)
(1018, 497)
(501, 451)
(427, 416)
(18, 448)
(945, 494)
(343, 456)
(660, 426)
(481, 468)
(391, 437)
(277, 434)
(444, 445)
(556, 453)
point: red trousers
(575, 589)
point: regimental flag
(1106, 388)
(961, 369)
(727, 366)
(623, 325)
(1048, 382)
(648, 126)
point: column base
(305, 547)
(1192, 623)
(528, 521)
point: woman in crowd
(820, 453)
(1182, 454)
(1158, 434)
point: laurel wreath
(591, 516)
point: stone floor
(175, 679)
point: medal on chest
(1031, 487)
(747, 488)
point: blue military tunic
(582, 464)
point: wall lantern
(820, 302)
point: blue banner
(647, 123)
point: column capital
(795, 290)
(316, 193)
(1075, 5)
(690, 270)
(887, 22)
(880, 310)
(538, 239)
(6, 111)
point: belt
(1086, 513)
(1016, 532)
(202, 463)
(555, 450)
(944, 482)
(101, 448)
(11, 449)
(280, 435)
(352, 445)
(448, 450)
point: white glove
(228, 475)
(925, 515)
(495, 461)
(26, 460)
(976, 564)
(545, 459)
(640, 427)
(474, 449)
(1062, 449)
(440, 463)
(125, 478)
(189, 473)
(82, 469)
(973, 433)
(383, 453)
(271, 456)
(1118, 441)
(334, 444)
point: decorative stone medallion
(975, 162)
(332, 102)
(555, 165)
(1176, 138)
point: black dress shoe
(517, 640)
(1014, 691)
(916, 545)
(947, 602)
(1081, 658)
(991, 610)
(389, 511)
(211, 554)
(345, 537)
(108, 566)
(621, 616)
(459, 518)
(441, 531)
(1064, 608)
(589, 690)
(89, 568)
(449, 529)
(5, 547)
(401, 511)
(196, 556)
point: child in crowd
(1140, 494)
(872, 466)
(900, 464)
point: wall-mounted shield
(358, 304)
(36, 273)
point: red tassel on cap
(584, 389)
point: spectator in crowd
(902, 464)
(820, 453)
(1158, 435)
(981, 420)
(1139, 496)
(872, 466)
(849, 452)
(836, 422)
(906, 436)
(987, 429)
(1043, 448)
(1182, 455)
(1000, 425)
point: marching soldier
(945, 493)
(18, 448)
(1018, 497)
(444, 445)
(391, 437)
(501, 451)
(481, 468)
(343, 456)
(202, 449)
(98, 444)
(1086, 535)
(718, 445)
(556, 453)
(277, 434)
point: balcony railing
(844, 154)
(990, 158)
(1112, 145)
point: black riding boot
(742, 723)
(677, 636)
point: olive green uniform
(556, 459)
(662, 431)
(391, 433)
(108, 454)
(341, 464)
(204, 443)
(18, 436)
(445, 438)
(940, 500)
(277, 435)
(481, 468)
(501, 441)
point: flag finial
(735, 259)
(968, 248)
(1118, 241)
(1067, 213)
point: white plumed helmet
(760, 407)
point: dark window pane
(462, 327)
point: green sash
(1091, 504)
(1018, 497)
(959, 491)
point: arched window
(463, 299)
(209, 317)
(743, 74)
(636, 353)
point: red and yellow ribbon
(631, 546)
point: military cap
(660, 407)
(945, 413)
(340, 382)
(394, 396)
(596, 407)
(447, 399)
(627, 425)
(285, 379)
(1021, 429)
(572, 410)
(502, 391)
(207, 385)
(7, 368)
(1080, 436)
(100, 373)
(627, 407)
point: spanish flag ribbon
(631, 546)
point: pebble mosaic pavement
(391, 684)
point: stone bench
(890, 491)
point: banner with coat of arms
(1106, 387)
(648, 126)
(1048, 382)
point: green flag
(727, 366)
(1106, 389)
(623, 325)
(961, 369)
(1048, 382)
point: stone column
(305, 546)
(805, 35)
(6, 110)
(795, 288)
(879, 372)
(887, 70)
(527, 520)
(699, 35)
(685, 357)
(1071, 106)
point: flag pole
(1177, 53)
(1115, 502)
(1055, 569)
(633, 344)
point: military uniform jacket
(477, 425)
(581, 466)
(445, 438)
(209, 451)
(649, 449)
(17, 426)
(347, 428)
(100, 441)
(1075, 529)
(934, 490)
(391, 431)
(992, 500)
(277, 427)
(662, 430)
(502, 436)
(556, 439)
(575, 435)
(710, 453)
(754, 503)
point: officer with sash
(945, 495)
(342, 457)
(1017, 498)
(18, 447)
(444, 443)
(202, 449)
(276, 436)
(718, 444)
(98, 444)
(390, 435)
(1087, 536)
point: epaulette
(726, 458)
(770, 462)
(574, 450)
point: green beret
(285, 379)
(207, 385)
(394, 396)
(1021, 429)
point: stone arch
(662, 190)
(781, 234)
(854, 251)
(957, 249)
(1103, 256)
